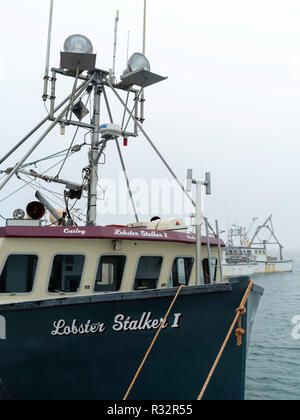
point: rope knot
(239, 332)
(242, 310)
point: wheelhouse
(44, 263)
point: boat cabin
(38, 263)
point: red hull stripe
(101, 232)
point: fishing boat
(238, 259)
(252, 254)
(82, 305)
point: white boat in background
(238, 259)
(238, 270)
(248, 257)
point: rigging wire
(67, 154)
(46, 109)
(55, 202)
(55, 155)
(133, 109)
(33, 180)
(72, 142)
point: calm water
(273, 370)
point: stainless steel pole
(208, 249)
(144, 29)
(142, 118)
(115, 44)
(52, 98)
(198, 231)
(95, 137)
(46, 77)
(219, 251)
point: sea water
(273, 366)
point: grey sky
(230, 105)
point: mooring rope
(241, 310)
(152, 344)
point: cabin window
(18, 274)
(148, 273)
(213, 270)
(181, 272)
(110, 273)
(66, 273)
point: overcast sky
(230, 105)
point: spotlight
(138, 62)
(78, 44)
(78, 53)
(138, 73)
(19, 214)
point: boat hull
(238, 270)
(268, 267)
(80, 348)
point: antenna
(142, 117)
(128, 41)
(115, 45)
(145, 25)
(46, 77)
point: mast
(142, 118)
(94, 152)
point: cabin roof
(101, 232)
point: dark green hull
(99, 362)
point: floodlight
(138, 62)
(78, 44)
(78, 54)
(138, 73)
(19, 214)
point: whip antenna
(115, 46)
(142, 116)
(145, 24)
(46, 77)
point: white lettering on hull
(121, 323)
(75, 231)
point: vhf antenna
(113, 74)
(142, 117)
(46, 77)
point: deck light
(78, 44)
(78, 54)
(138, 62)
(19, 214)
(138, 73)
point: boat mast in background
(268, 225)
